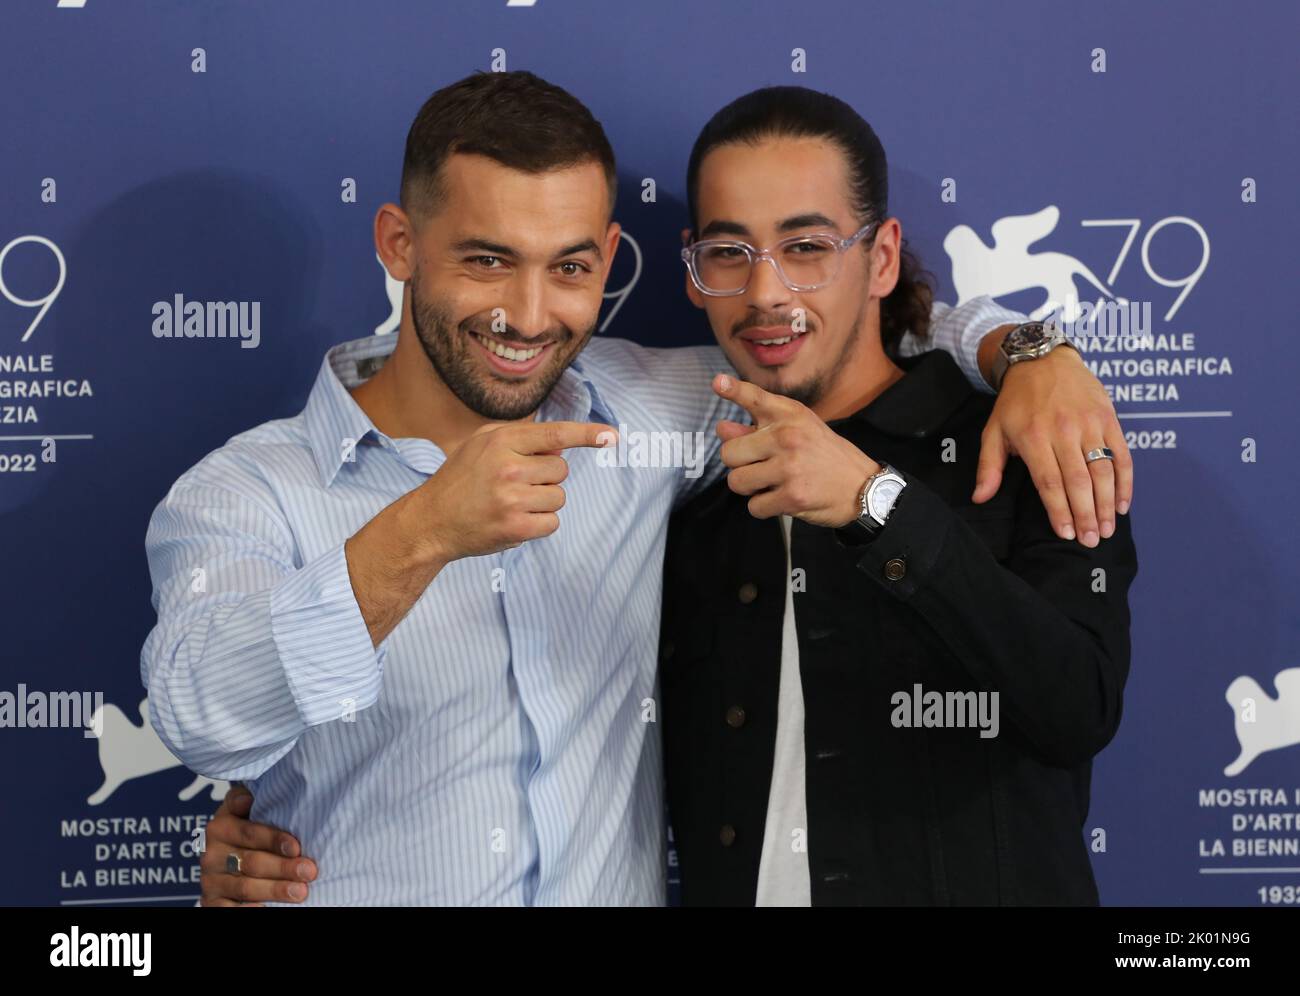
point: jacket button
(666, 651)
(895, 569)
(748, 592)
(727, 835)
(735, 717)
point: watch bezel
(1015, 347)
(867, 517)
(1011, 351)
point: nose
(766, 292)
(527, 308)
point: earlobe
(889, 247)
(887, 279)
(693, 294)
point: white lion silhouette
(128, 751)
(1276, 721)
(1008, 266)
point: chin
(768, 379)
(780, 379)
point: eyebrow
(586, 245)
(813, 219)
(483, 245)
(719, 227)
(497, 249)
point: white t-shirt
(783, 877)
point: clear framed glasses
(723, 267)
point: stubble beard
(491, 395)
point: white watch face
(882, 497)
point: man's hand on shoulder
(1050, 412)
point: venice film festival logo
(1009, 267)
(1264, 723)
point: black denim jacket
(950, 596)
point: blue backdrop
(152, 150)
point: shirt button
(735, 717)
(895, 569)
(748, 592)
(727, 835)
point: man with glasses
(446, 697)
(874, 691)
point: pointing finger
(761, 405)
(550, 437)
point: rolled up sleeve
(250, 649)
(958, 331)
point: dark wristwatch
(1025, 342)
(878, 498)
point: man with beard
(874, 690)
(495, 747)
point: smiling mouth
(779, 342)
(773, 345)
(509, 352)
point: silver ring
(1100, 453)
(233, 865)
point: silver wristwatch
(878, 497)
(1026, 342)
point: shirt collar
(334, 420)
(576, 399)
(922, 400)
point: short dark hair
(797, 112)
(515, 118)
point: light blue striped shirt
(500, 745)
